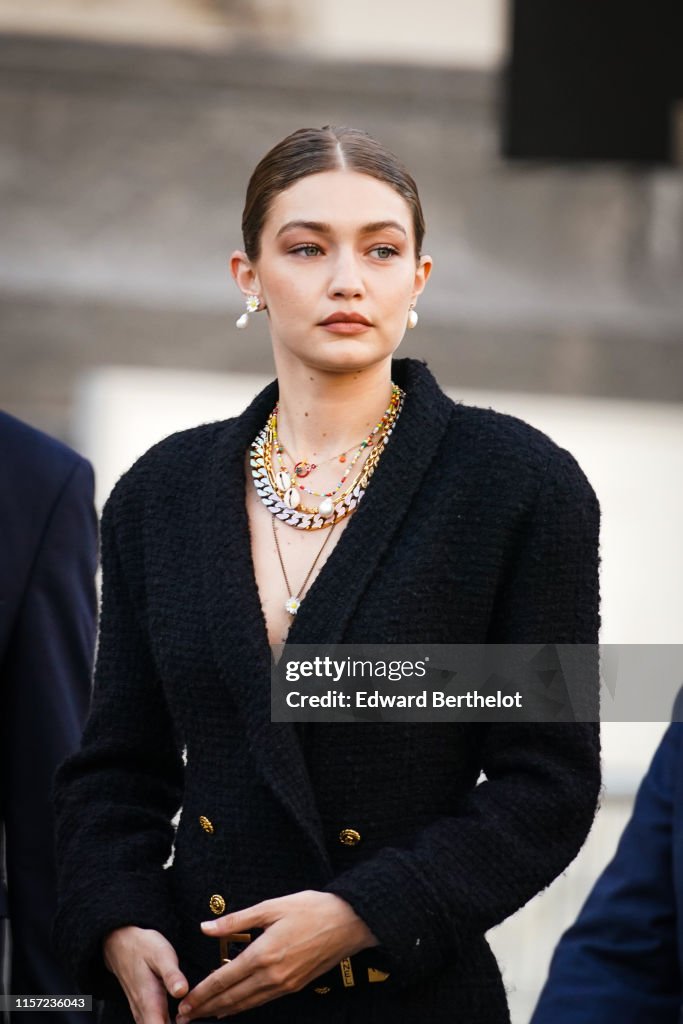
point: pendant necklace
(293, 602)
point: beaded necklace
(283, 500)
(302, 468)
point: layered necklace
(280, 489)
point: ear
(424, 269)
(244, 273)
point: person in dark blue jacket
(621, 961)
(48, 558)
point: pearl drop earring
(253, 303)
(412, 318)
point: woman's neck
(321, 414)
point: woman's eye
(384, 252)
(309, 249)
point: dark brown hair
(312, 150)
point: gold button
(206, 824)
(349, 837)
(323, 990)
(217, 904)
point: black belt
(358, 971)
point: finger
(150, 1005)
(145, 994)
(247, 997)
(217, 983)
(258, 916)
(252, 991)
(263, 975)
(175, 982)
(163, 960)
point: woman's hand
(147, 967)
(305, 935)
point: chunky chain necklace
(282, 499)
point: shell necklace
(284, 501)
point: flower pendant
(292, 605)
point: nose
(346, 279)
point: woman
(364, 861)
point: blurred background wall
(128, 136)
(128, 133)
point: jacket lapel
(238, 627)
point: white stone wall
(463, 33)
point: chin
(346, 354)
(347, 361)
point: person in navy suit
(621, 962)
(48, 559)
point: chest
(286, 561)
(215, 586)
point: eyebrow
(325, 229)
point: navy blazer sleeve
(116, 797)
(618, 964)
(515, 832)
(46, 677)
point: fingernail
(184, 1008)
(210, 925)
(181, 1020)
(178, 988)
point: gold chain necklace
(289, 493)
(287, 507)
(302, 468)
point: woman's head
(312, 151)
(333, 227)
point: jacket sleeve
(516, 831)
(618, 964)
(115, 798)
(46, 681)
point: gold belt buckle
(224, 944)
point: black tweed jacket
(475, 527)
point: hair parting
(312, 151)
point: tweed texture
(476, 527)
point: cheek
(395, 292)
(290, 292)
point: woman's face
(336, 243)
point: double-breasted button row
(349, 837)
(216, 902)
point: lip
(345, 327)
(345, 318)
